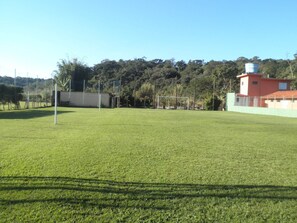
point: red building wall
(269, 85)
(259, 86)
(254, 85)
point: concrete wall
(284, 104)
(81, 99)
(257, 110)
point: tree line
(137, 82)
(141, 80)
(34, 89)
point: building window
(255, 82)
(282, 86)
(277, 100)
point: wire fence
(29, 100)
(278, 102)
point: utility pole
(28, 93)
(99, 95)
(195, 86)
(154, 94)
(56, 104)
(213, 94)
(119, 92)
(176, 92)
(84, 85)
(36, 104)
(134, 93)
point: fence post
(56, 103)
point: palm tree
(63, 74)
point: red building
(254, 87)
(254, 84)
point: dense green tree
(180, 65)
(145, 93)
(269, 67)
(10, 95)
(193, 69)
(224, 78)
(81, 73)
(74, 72)
(212, 102)
(200, 88)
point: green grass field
(137, 165)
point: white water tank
(251, 68)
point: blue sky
(36, 34)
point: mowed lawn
(137, 165)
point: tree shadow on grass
(93, 193)
(28, 114)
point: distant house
(255, 88)
(257, 85)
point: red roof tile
(282, 94)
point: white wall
(244, 83)
(284, 104)
(258, 110)
(84, 99)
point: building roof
(241, 95)
(282, 95)
(248, 74)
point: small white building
(281, 99)
(83, 99)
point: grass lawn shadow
(94, 193)
(28, 114)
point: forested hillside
(140, 80)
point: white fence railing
(267, 102)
